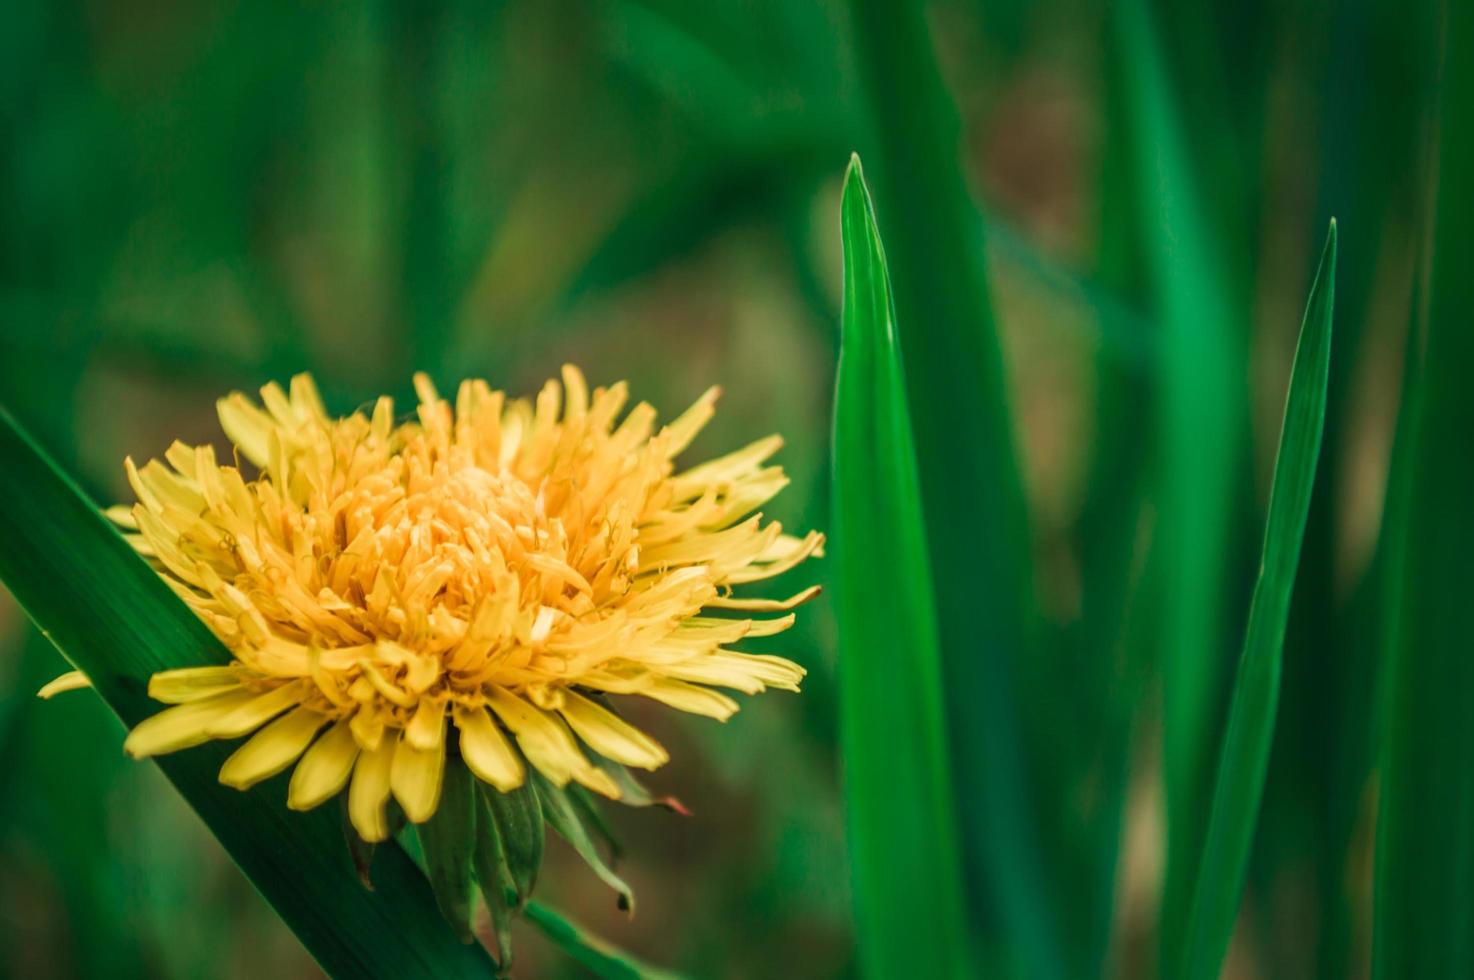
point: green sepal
(593, 820)
(362, 851)
(634, 793)
(563, 814)
(448, 839)
(495, 879)
(519, 821)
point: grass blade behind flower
(1244, 758)
(903, 838)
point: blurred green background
(200, 197)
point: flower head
(465, 588)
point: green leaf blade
(117, 622)
(1244, 756)
(1424, 875)
(903, 839)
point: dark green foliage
(1425, 861)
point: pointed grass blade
(903, 839)
(116, 621)
(977, 520)
(1424, 879)
(1244, 756)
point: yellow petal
(746, 672)
(416, 776)
(486, 751)
(369, 790)
(246, 426)
(690, 698)
(121, 516)
(765, 605)
(426, 729)
(72, 680)
(191, 683)
(812, 544)
(368, 728)
(305, 398)
(256, 712)
(610, 735)
(271, 749)
(689, 484)
(596, 779)
(684, 429)
(544, 739)
(184, 725)
(324, 769)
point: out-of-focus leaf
(1374, 151)
(118, 623)
(1244, 758)
(903, 835)
(1424, 903)
(1201, 439)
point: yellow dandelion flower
(466, 586)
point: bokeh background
(200, 197)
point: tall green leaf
(1244, 757)
(1201, 438)
(1424, 891)
(977, 523)
(116, 621)
(903, 838)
